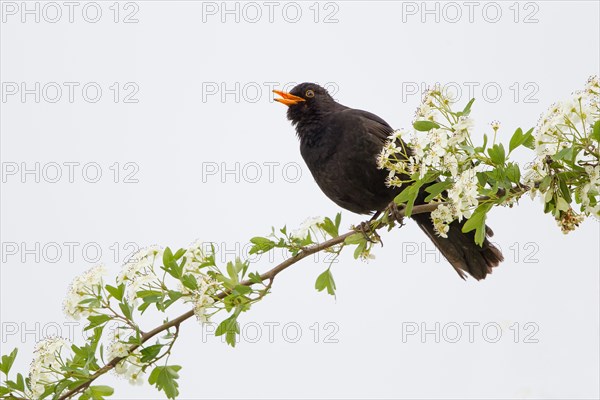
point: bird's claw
(370, 234)
(396, 213)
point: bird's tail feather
(461, 250)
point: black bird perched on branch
(340, 145)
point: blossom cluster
(84, 293)
(46, 365)
(201, 296)
(306, 227)
(130, 367)
(566, 170)
(438, 149)
(138, 271)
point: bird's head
(305, 101)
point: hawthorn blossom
(461, 129)
(569, 221)
(441, 217)
(464, 192)
(84, 287)
(130, 367)
(305, 227)
(138, 262)
(564, 143)
(46, 363)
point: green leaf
(330, 227)
(564, 154)
(96, 320)
(477, 222)
(170, 264)
(564, 189)
(174, 294)
(561, 204)
(231, 270)
(425, 126)
(513, 173)
(412, 192)
(497, 154)
(100, 391)
(436, 189)
(242, 290)
(126, 309)
(482, 178)
(179, 254)
(240, 266)
(116, 292)
(168, 257)
(360, 249)
(481, 148)
(596, 131)
(467, 110)
(8, 360)
(149, 353)
(519, 138)
(325, 281)
(189, 281)
(20, 384)
(230, 328)
(254, 277)
(165, 379)
(529, 140)
(355, 238)
(403, 196)
(545, 184)
(261, 245)
(516, 140)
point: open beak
(287, 98)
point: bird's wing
(373, 124)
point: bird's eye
(310, 93)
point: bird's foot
(368, 232)
(395, 213)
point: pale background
(371, 57)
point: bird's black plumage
(340, 146)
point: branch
(269, 275)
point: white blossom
(202, 302)
(83, 287)
(450, 163)
(438, 142)
(47, 356)
(306, 226)
(441, 217)
(461, 130)
(130, 367)
(139, 282)
(464, 192)
(569, 124)
(138, 262)
(418, 145)
(464, 123)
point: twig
(270, 275)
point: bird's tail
(461, 250)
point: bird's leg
(396, 213)
(368, 232)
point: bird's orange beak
(287, 98)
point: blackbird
(340, 146)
